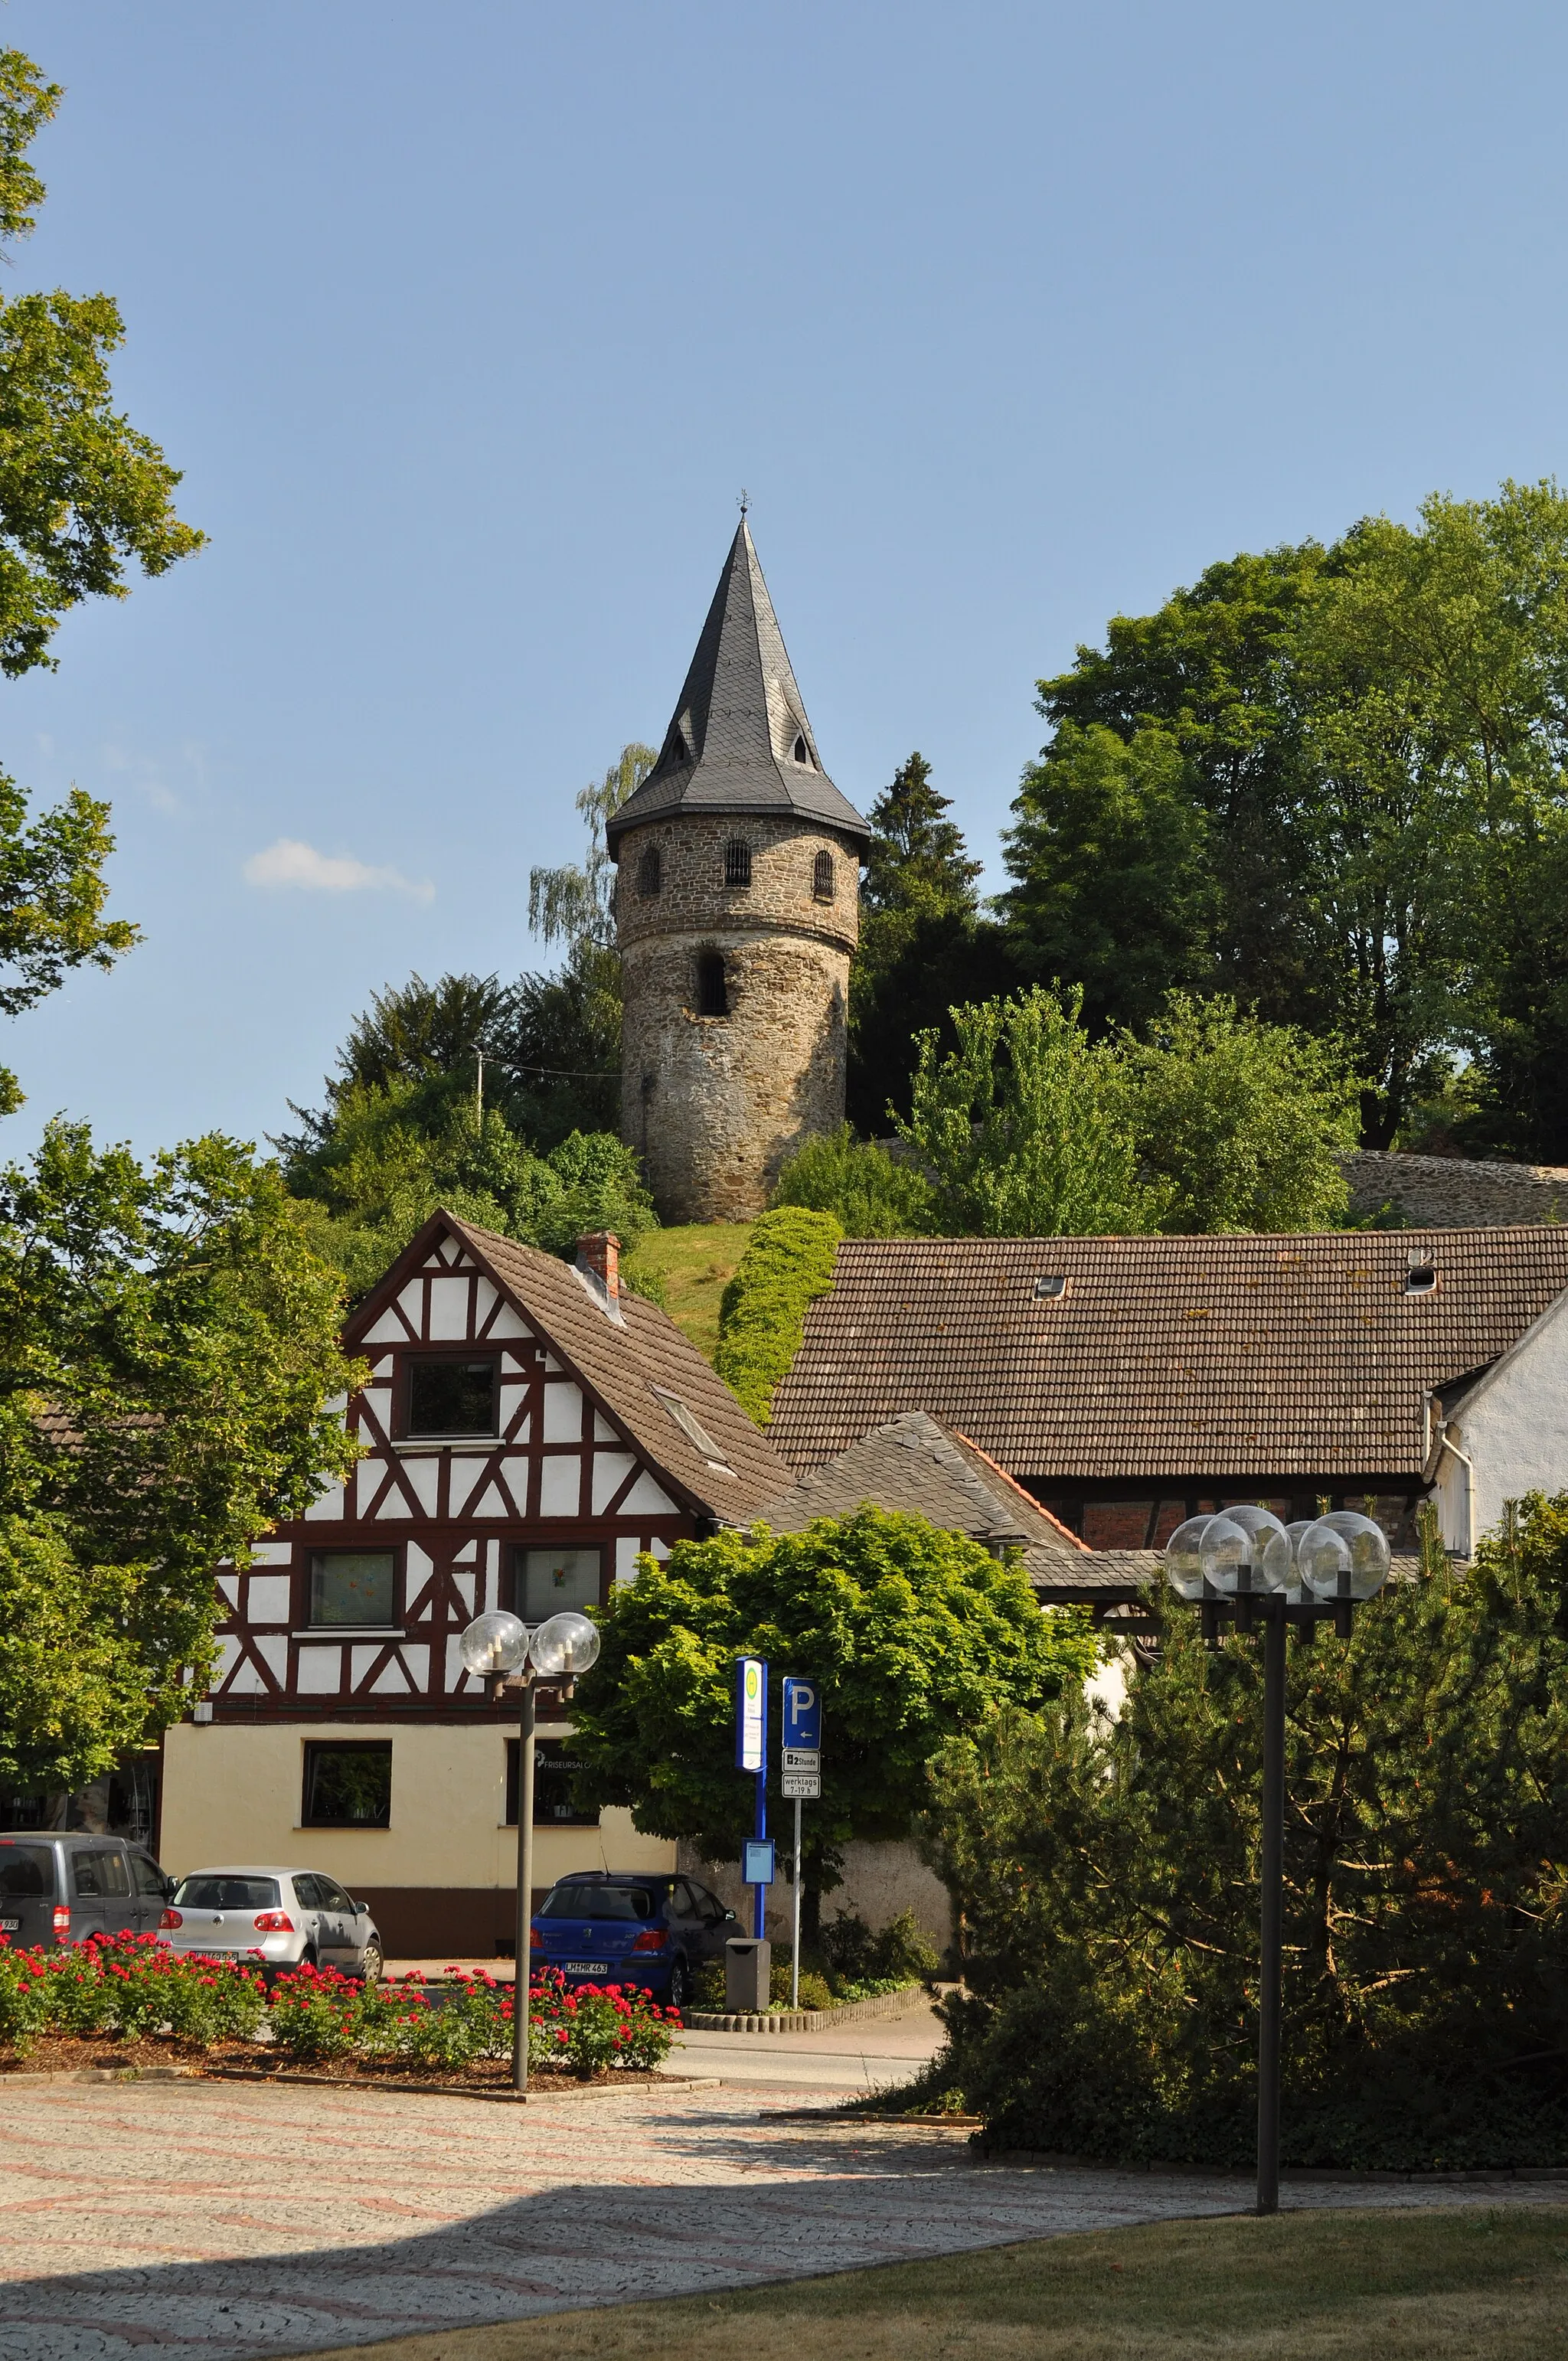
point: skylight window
(692, 1427)
(1421, 1279)
(1050, 1289)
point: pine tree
(917, 860)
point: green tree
(169, 1366)
(1115, 885)
(910, 1633)
(870, 1193)
(1024, 1130)
(1108, 1871)
(82, 496)
(922, 944)
(1238, 1124)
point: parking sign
(802, 1713)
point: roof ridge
(1013, 1486)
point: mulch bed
(259, 2062)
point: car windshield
(597, 1902)
(26, 1871)
(226, 1894)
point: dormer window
(822, 877)
(737, 862)
(1421, 1279)
(679, 751)
(803, 753)
(650, 875)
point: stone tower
(737, 909)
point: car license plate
(588, 1967)
(10, 1925)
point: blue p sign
(802, 1713)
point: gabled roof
(730, 746)
(1164, 1357)
(916, 1467)
(625, 1363)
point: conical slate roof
(738, 741)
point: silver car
(277, 1918)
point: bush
(868, 1192)
(24, 1998)
(899, 1954)
(1107, 1876)
(588, 2029)
(131, 1985)
(787, 1262)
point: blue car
(607, 1926)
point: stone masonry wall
(715, 1105)
(1445, 1192)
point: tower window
(803, 753)
(650, 875)
(679, 751)
(737, 862)
(822, 877)
(712, 990)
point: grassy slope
(696, 1263)
(1463, 2284)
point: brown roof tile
(1260, 1356)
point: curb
(110, 2075)
(1057, 2159)
(507, 2098)
(807, 2020)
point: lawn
(696, 1263)
(1460, 2284)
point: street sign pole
(795, 1947)
(759, 1909)
(801, 1764)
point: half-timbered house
(529, 1427)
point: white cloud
(291, 863)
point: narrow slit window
(802, 753)
(650, 875)
(712, 988)
(737, 862)
(822, 879)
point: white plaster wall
(233, 1794)
(1514, 1430)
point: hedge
(789, 1261)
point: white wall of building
(1508, 1437)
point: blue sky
(467, 323)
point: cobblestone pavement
(234, 2221)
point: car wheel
(371, 1962)
(679, 1991)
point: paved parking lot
(230, 2221)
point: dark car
(60, 1889)
(604, 1927)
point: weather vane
(745, 502)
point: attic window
(1421, 1279)
(1051, 1289)
(679, 751)
(822, 877)
(802, 753)
(737, 862)
(691, 1426)
(650, 875)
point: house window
(553, 1765)
(712, 990)
(802, 753)
(737, 862)
(353, 1586)
(546, 1581)
(650, 875)
(349, 1786)
(451, 1396)
(822, 877)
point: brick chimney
(598, 1257)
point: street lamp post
(500, 1650)
(1244, 1564)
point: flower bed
(132, 1990)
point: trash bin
(747, 1975)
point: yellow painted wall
(231, 1795)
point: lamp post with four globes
(500, 1650)
(1244, 1564)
